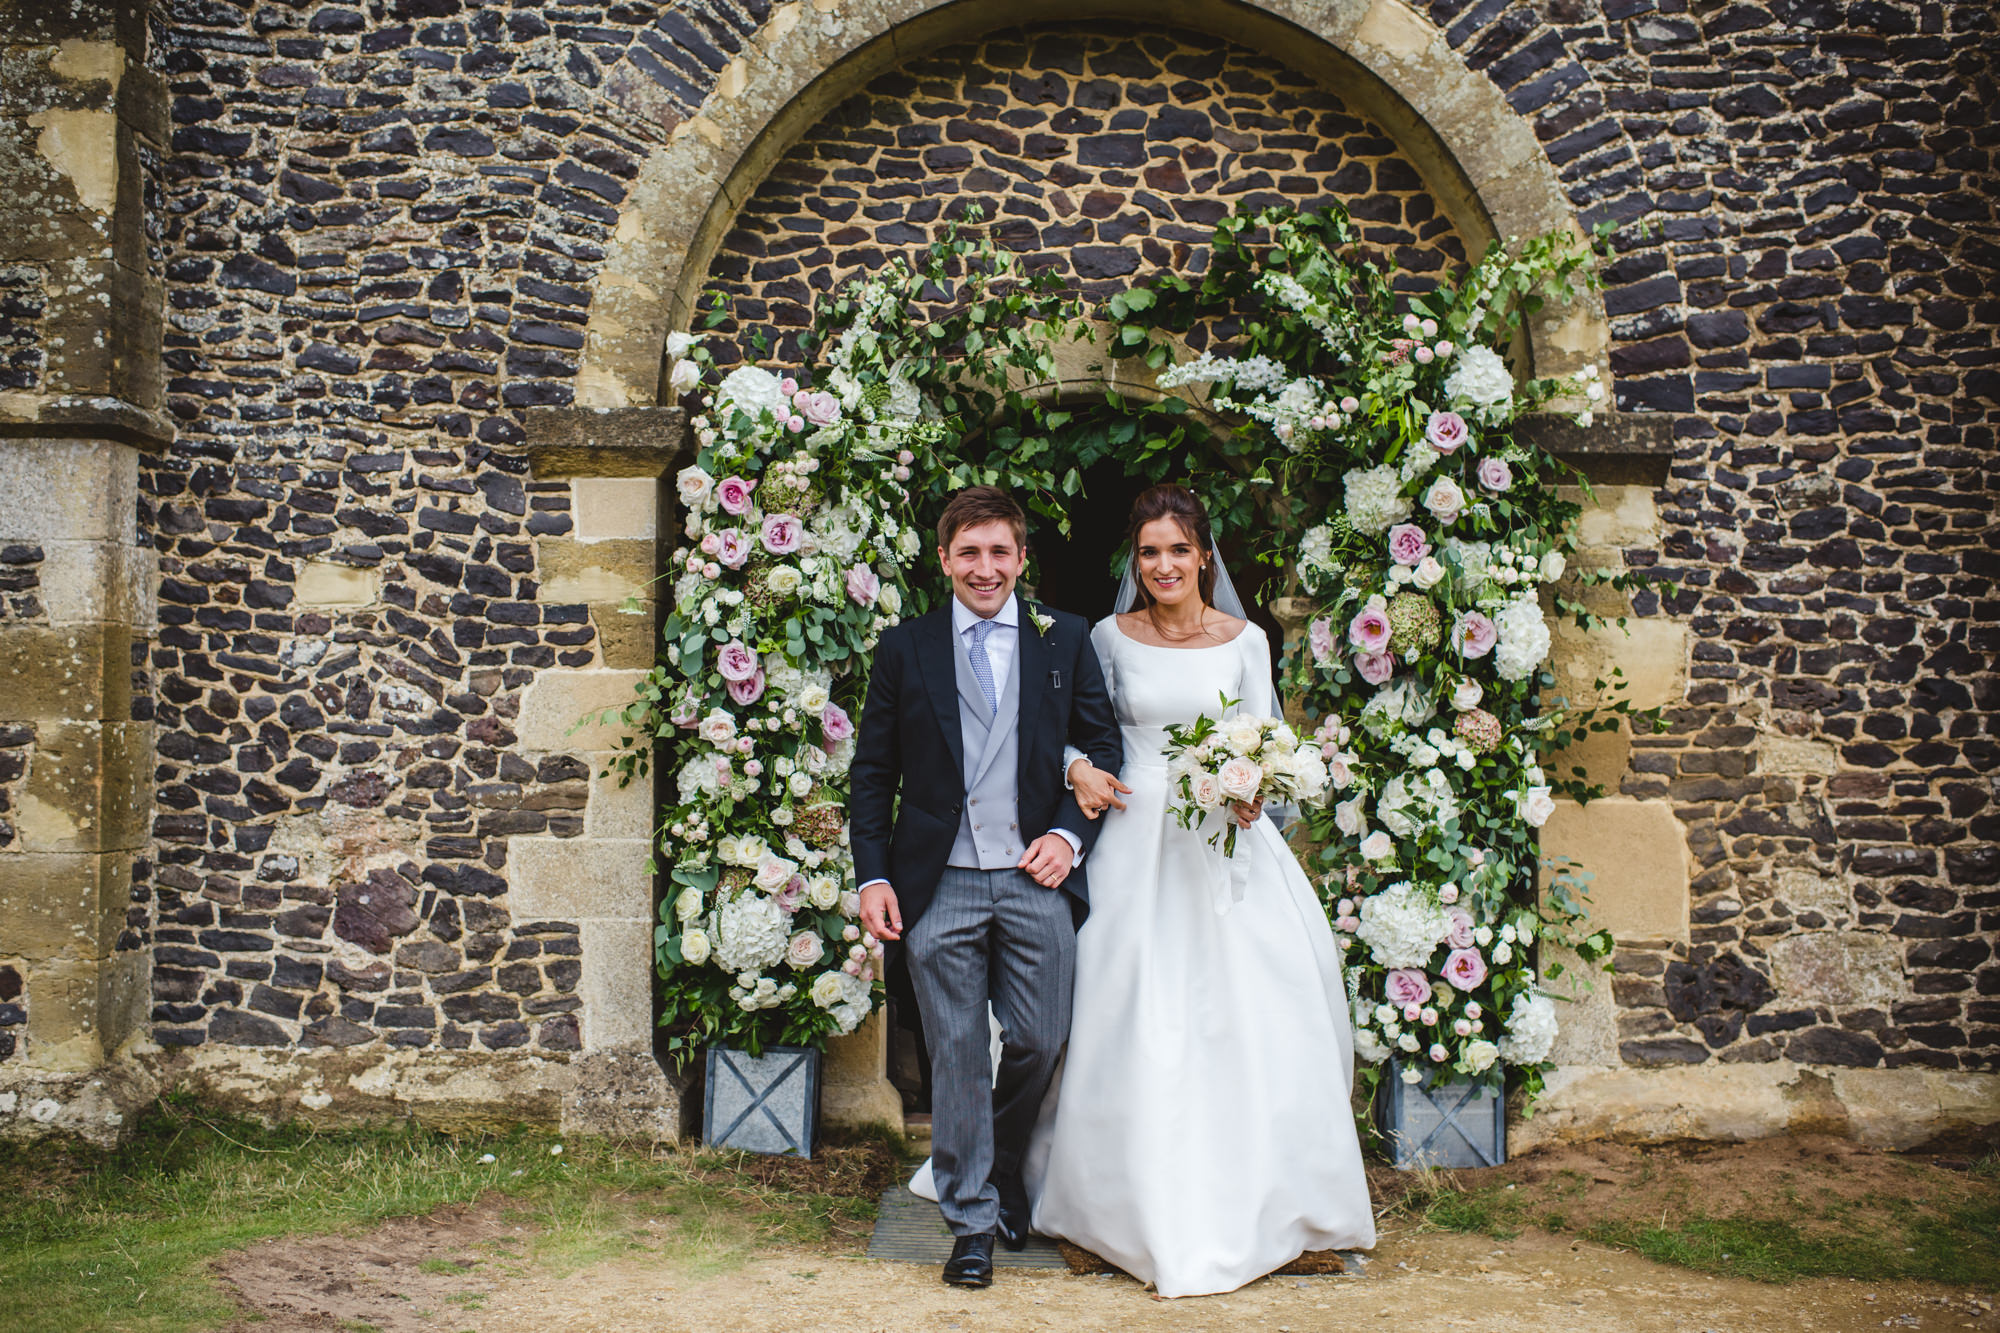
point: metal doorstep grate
(911, 1230)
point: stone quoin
(332, 423)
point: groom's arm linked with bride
(969, 847)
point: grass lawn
(1773, 1211)
(121, 1239)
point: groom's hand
(1048, 860)
(880, 914)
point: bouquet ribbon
(1232, 872)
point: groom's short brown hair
(981, 504)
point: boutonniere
(1042, 623)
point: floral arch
(1370, 451)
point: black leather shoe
(1013, 1226)
(971, 1262)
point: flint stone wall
(382, 233)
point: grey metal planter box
(762, 1103)
(1442, 1123)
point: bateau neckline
(1119, 630)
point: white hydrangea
(1524, 637)
(1403, 700)
(1531, 1030)
(1316, 563)
(750, 389)
(698, 777)
(751, 933)
(1375, 500)
(1402, 925)
(841, 530)
(1473, 558)
(1480, 378)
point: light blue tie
(982, 669)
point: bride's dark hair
(1187, 511)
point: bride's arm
(1258, 695)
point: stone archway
(1477, 154)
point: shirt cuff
(1075, 845)
(1070, 755)
(870, 884)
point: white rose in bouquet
(824, 893)
(695, 947)
(1243, 734)
(1241, 778)
(1283, 739)
(1206, 790)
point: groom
(980, 869)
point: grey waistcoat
(989, 832)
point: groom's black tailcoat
(911, 737)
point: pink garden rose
(1475, 634)
(821, 409)
(1460, 934)
(732, 548)
(1369, 630)
(1407, 544)
(1495, 475)
(1375, 667)
(835, 724)
(1320, 636)
(1406, 986)
(1446, 431)
(788, 900)
(736, 662)
(747, 692)
(782, 534)
(1464, 968)
(863, 586)
(733, 494)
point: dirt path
(409, 1276)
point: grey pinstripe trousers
(989, 935)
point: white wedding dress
(1199, 1133)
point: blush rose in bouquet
(1239, 758)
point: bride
(1199, 1133)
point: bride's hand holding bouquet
(1242, 761)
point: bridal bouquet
(1243, 757)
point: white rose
(1466, 695)
(718, 728)
(1445, 500)
(1347, 817)
(1408, 1041)
(695, 947)
(827, 990)
(1553, 565)
(695, 486)
(1503, 954)
(1480, 1055)
(679, 345)
(688, 905)
(823, 893)
(784, 580)
(850, 905)
(1377, 846)
(1206, 789)
(889, 601)
(1537, 806)
(773, 873)
(1241, 778)
(800, 783)
(1428, 573)
(1243, 734)
(909, 544)
(1369, 1046)
(727, 850)
(684, 377)
(813, 698)
(804, 950)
